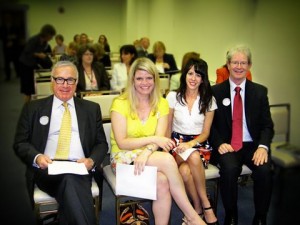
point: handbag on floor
(134, 214)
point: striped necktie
(64, 139)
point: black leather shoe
(259, 220)
(230, 220)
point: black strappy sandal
(213, 223)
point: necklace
(89, 75)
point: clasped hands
(165, 143)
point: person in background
(76, 38)
(191, 114)
(223, 74)
(60, 47)
(246, 143)
(92, 74)
(142, 47)
(164, 62)
(36, 144)
(71, 53)
(34, 56)
(101, 56)
(84, 39)
(120, 70)
(139, 120)
(102, 40)
(175, 79)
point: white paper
(140, 186)
(184, 155)
(61, 167)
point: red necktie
(237, 121)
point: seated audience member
(241, 133)
(76, 38)
(60, 48)
(143, 46)
(102, 40)
(164, 62)
(175, 79)
(84, 39)
(120, 70)
(92, 75)
(191, 114)
(139, 119)
(101, 56)
(71, 54)
(41, 137)
(223, 74)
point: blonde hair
(147, 65)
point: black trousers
(230, 169)
(73, 193)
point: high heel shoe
(213, 223)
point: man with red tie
(241, 133)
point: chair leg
(118, 213)
(37, 214)
(96, 203)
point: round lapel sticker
(226, 101)
(44, 120)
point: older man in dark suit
(246, 143)
(36, 143)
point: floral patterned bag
(134, 214)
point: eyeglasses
(60, 80)
(237, 63)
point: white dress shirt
(76, 151)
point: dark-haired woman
(191, 114)
(92, 75)
(120, 71)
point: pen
(66, 160)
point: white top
(119, 77)
(185, 122)
(76, 151)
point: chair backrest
(43, 88)
(42, 83)
(107, 130)
(280, 114)
(104, 100)
(164, 83)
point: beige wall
(269, 27)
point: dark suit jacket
(100, 75)
(257, 112)
(168, 58)
(31, 136)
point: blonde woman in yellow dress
(139, 120)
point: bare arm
(170, 122)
